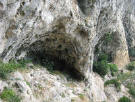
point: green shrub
(6, 68)
(131, 66)
(130, 85)
(9, 95)
(113, 81)
(125, 76)
(124, 99)
(101, 67)
(103, 56)
(132, 52)
(108, 38)
(113, 68)
(132, 91)
(96, 49)
(22, 63)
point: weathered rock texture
(39, 85)
(67, 29)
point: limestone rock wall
(67, 29)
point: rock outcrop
(69, 30)
(50, 88)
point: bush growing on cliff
(108, 38)
(128, 80)
(132, 52)
(115, 82)
(131, 66)
(6, 68)
(124, 99)
(103, 56)
(113, 69)
(9, 95)
(132, 91)
(101, 67)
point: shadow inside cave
(55, 65)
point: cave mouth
(54, 64)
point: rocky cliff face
(69, 30)
(66, 29)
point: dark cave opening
(54, 64)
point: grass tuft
(6, 68)
(132, 91)
(115, 82)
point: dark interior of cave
(54, 64)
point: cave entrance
(55, 65)
(57, 52)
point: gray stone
(64, 30)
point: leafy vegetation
(132, 52)
(131, 66)
(6, 68)
(115, 82)
(103, 56)
(124, 99)
(108, 38)
(125, 76)
(132, 91)
(127, 80)
(9, 95)
(22, 63)
(102, 67)
(113, 69)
